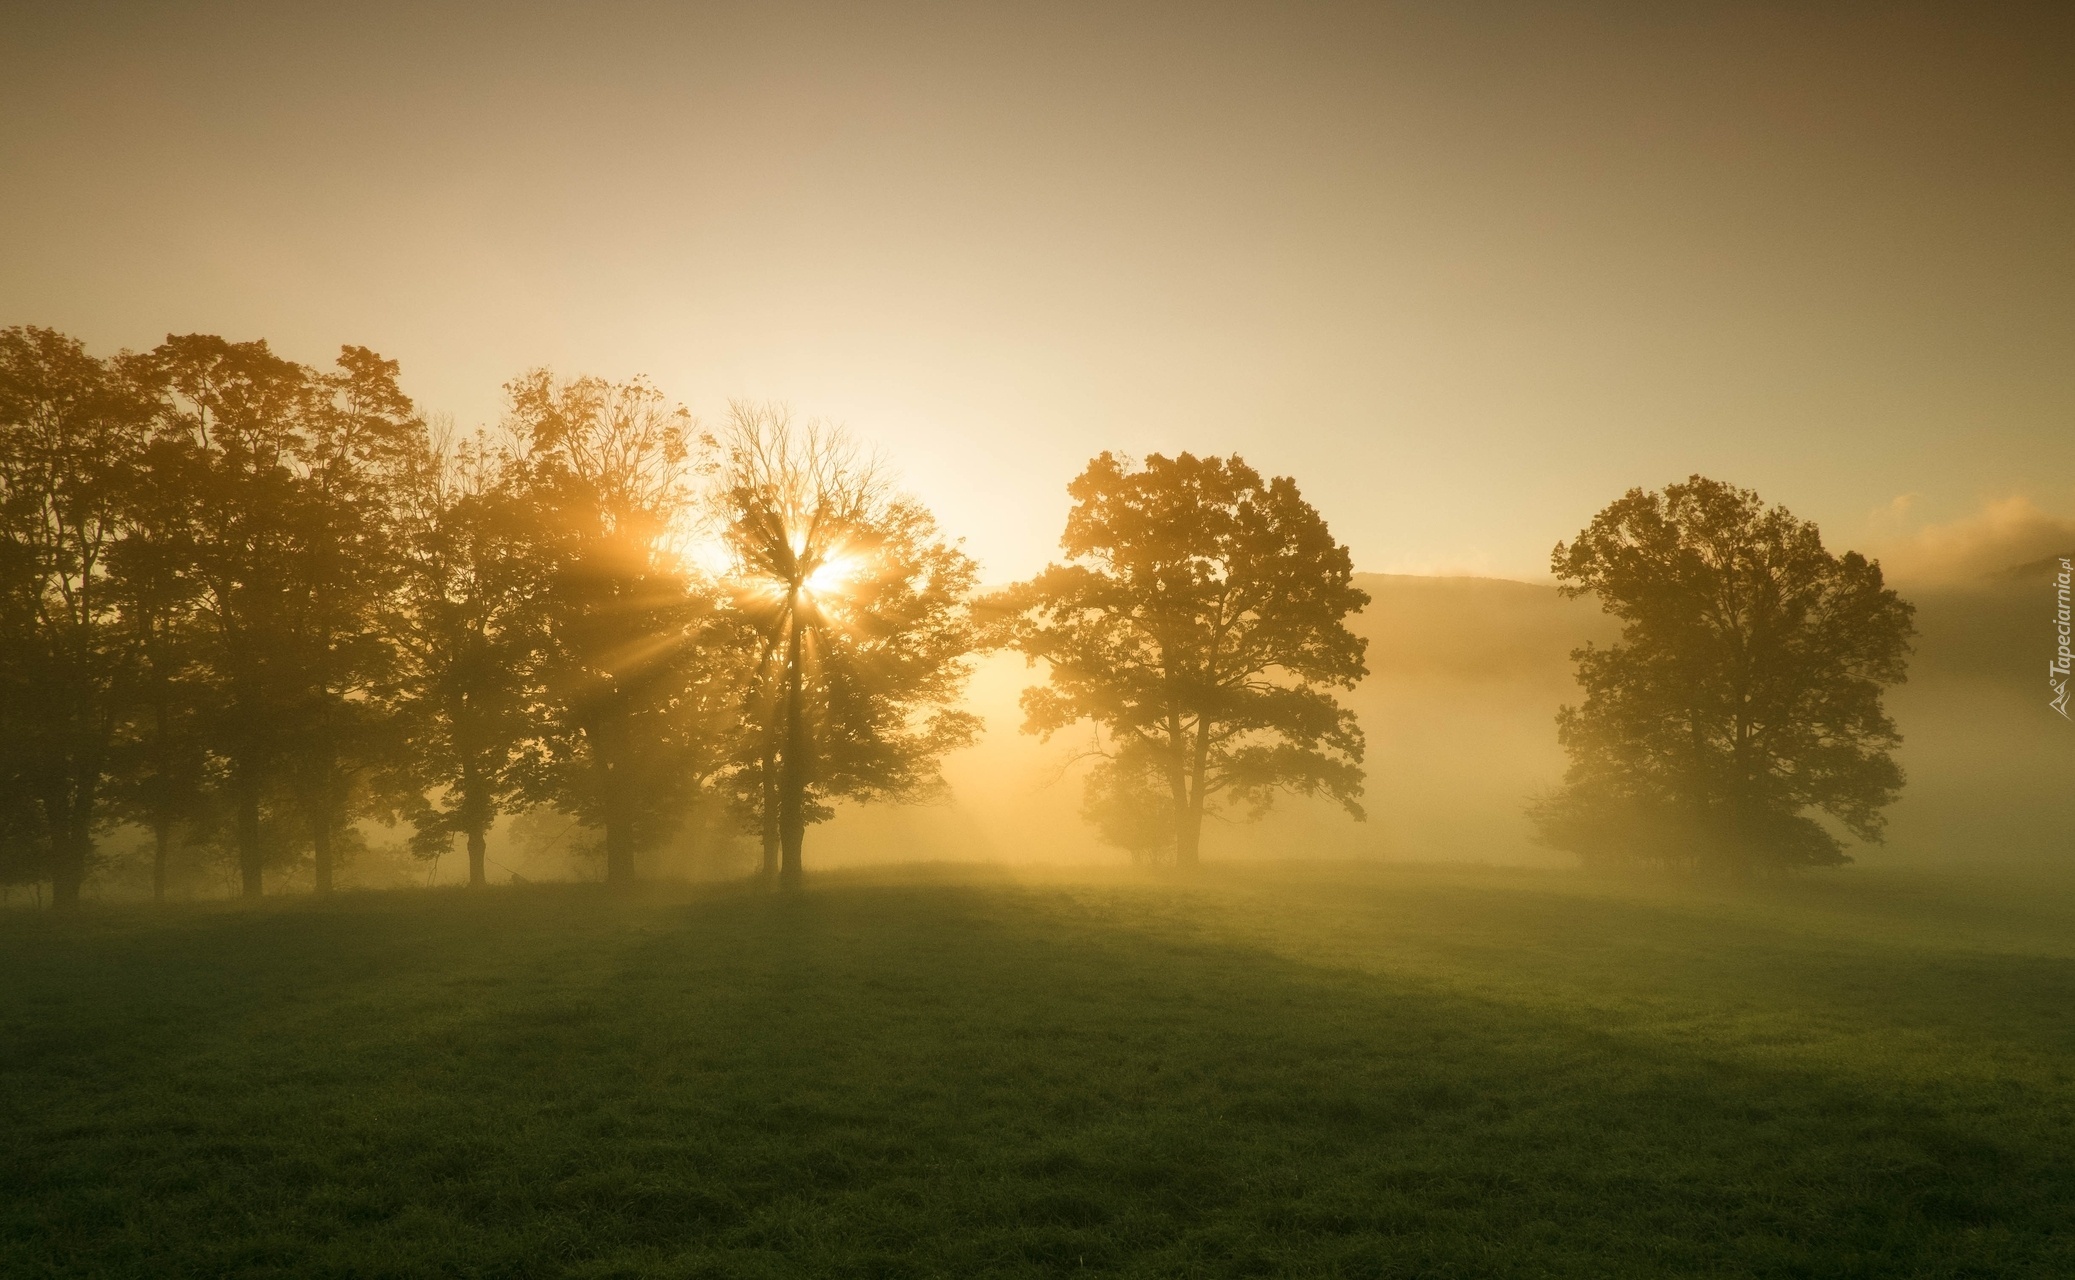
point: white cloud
(2004, 533)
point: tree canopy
(1745, 693)
(1200, 623)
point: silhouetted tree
(71, 428)
(360, 444)
(162, 757)
(248, 413)
(1200, 622)
(24, 835)
(24, 840)
(473, 636)
(862, 622)
(1745, 689)
(610, 469)
(1128, 800)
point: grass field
(1276, 1070)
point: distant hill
(2033, 569)
(1500, 629)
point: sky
(1466, 271)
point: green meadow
(1274, 1070)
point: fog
(1466, 675)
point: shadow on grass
(934, 1077)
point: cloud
(2005, 533)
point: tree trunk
(1178, 789)
(769, 783)
(162, 822)
(320, 841)
(1188, 832)
(478, 811)
(69, 871)
(619, 826)
(692, 835)
(619, 852)
(74, 846)
(248, 837)
(792, 799)
(161, 849)
(619, 832)
(324, 799)
(1190, 844)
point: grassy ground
(1272, 1071)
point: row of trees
(253, 604)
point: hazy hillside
(1991, 765)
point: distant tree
(1744, 692)
(1200, 622)
(1128, 802)
(860, 619)
(611, 470)
(24, 840)
(473, 638)
(71, 428)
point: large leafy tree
(858, 615)
(473, 638)
(610, 470)
(1745, 693)
(360, 443)
(71, 430)
(248, 414)
(162, 760)
(1200, 623)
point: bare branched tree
(861, 616)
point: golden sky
(1466, 270)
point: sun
(832, 576)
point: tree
(71, 428)
(162, 756)
(247, 413)
(861, 619)
(473, 640)
(1200, 623)
(360, 444)
(609, 469)
(1744, 692)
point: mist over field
(1465, 678)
